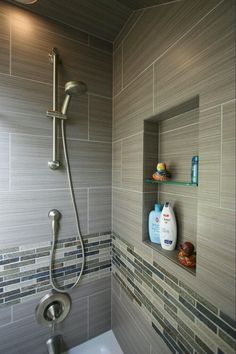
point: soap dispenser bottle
(168, 228)
(154, 224)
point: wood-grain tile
(179, 121)
(99, 210)
(158, 29)
(100, 118)
(5, 317)
(133, 18)
(127, 214)
(178, 144)
(23, 106)
(99, 313)
(132, 162)
(20, 337)
(128, 334)
(103, 19)
(204, 59)
(185, 209)
(4, 44)
(4, 162)
(32, 20)
(30, 210)
(98, 43)
(77, 122)
(159, 347)
(30, 59)
(216, 253)
(74, 328)
(132, 105)
(117, 71)
(116, 163)
(90, 163)
(227, 190)
(210, 156)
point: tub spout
(55, 345)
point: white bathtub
(106, 343)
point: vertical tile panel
(132, 162)
(99, 313)
(116, 163)
(216, 253)
(100, 118)
(132, 105)
(4, 162)
(23, 106)
(117, 72)
(4, 44)
(209, 156)
(99, 210)
(158, 29)
(228, 157)
(131, 339)
(127, 214)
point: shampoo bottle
(154, 224)
(168, 228)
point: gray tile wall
(168, 55)
(28, 189)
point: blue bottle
(154, 224)
(194, 172)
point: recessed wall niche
(172, 137)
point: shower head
(72, 88)
(75, 87)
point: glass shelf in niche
(177, 183)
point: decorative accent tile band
(187, 322)
(24, 271)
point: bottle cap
(158, 207)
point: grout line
(121, 159)
(218, 105)
(10, 47)
(122, 67)
(130, 190)
(59, 138)
(153, 89)
(170, 47)
(180, 195)
(88, 117)
(49, 84)
(129, 136)
(9, 168)
(88, 324)
(126, 35)
(97, 95)
(88, 210)
(158, 5)
(179, 128)
(221, 152)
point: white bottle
(168, 228)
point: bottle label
(168, 242)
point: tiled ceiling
(102, 18)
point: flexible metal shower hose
(54, 286)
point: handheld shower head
(72, 88)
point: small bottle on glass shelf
(194, 171)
